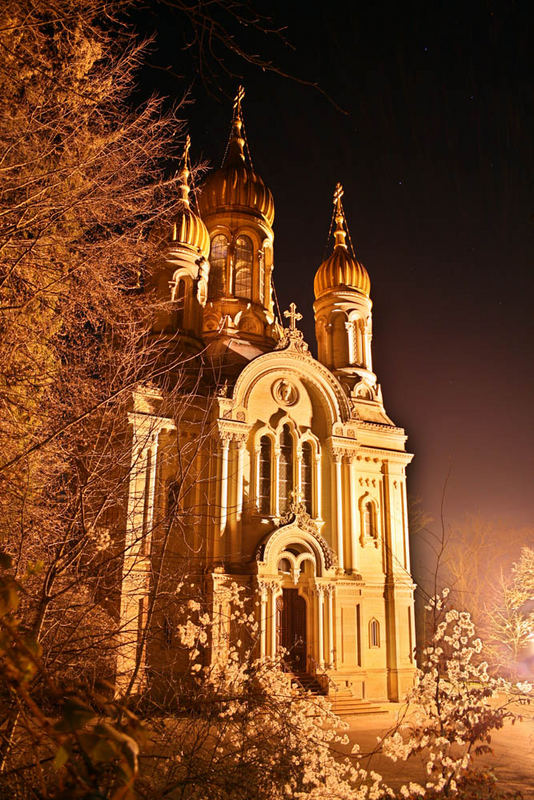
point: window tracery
(285, 470)
(306, 486)
(218, 257)
(243, 267)
(264, 488)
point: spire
(236, 142)
(340, 232)
(185, 173)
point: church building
(287, 474)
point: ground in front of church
(512, 760)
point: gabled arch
(318, 380)
(307, 544)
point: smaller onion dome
(341, 271)
(235, 186)
(188, 230)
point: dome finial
(237, 103)
(184, 174)
(236, 144)
(339, 233)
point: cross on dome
(293, 316)
(338, 194)
(237, 101)
(184, 175)
(339, 233)
(187, 146)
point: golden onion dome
(188, 230)
(236, 186)
(341, 270)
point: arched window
(369, 523)
(285, 485)
(284, 565)
(179, 298)
(264, 488)
(374, 633)
(218, 259)
(243, 267)
(307, 476)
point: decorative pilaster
(319, 591)
(354, 516)
(223, 506)
(338, 463)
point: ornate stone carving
(298, 516)
(285, 393)
(293, 340)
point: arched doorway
(292, 629)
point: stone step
(308, 683)
(351, 706)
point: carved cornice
(232, 431)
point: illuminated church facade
(296, 484)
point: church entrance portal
(292, 628)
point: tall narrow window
(264, 489)
(285, 486)
(218, 259)
(243, 267)
(307, 476)
(374, 633)
(369, 527)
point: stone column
(318, 486)
(299, 495)
(257, 478)
(239, 477)
(368, 339)
(225, 446)
(331, 657)
(276, 480)
(319, 590)
(263, 619)
(274, 592)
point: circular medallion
(285, 393)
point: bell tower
(238, 210)
(342, 308)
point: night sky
(435, 152)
